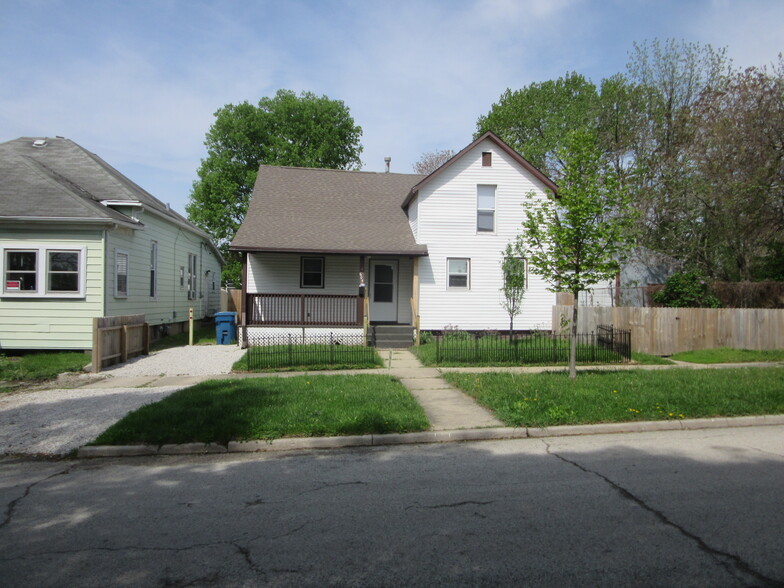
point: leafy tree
(513, 290)
(686, 290)
(669, 78)
(738, 156)
(430, 161)
(303, 131)
(536, 119)
(578, 239)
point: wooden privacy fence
(118, 338)
(665, 331)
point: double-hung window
(458, 272)
(485, 208)
(120, 274)
(191, 276)
(41, 271)
(312, 272)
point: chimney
(387, 160)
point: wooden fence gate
(118, 338)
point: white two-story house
(332, 250)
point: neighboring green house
(79, 240)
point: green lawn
(537, 349)
(40, 366)
(269, 408)
(275, 358)
(201, 336)
(727, 355)
(645, 359)
(603, 397)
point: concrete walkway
(446, 407)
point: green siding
(55, 323)
(174, 244)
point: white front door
(383, 290)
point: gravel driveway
(198, 360)
(54, 422)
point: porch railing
(317, 310)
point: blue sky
(138, 81)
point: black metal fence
(608, 345)
(333, 349)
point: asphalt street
(675, 508)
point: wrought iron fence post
(291, 352)
(331, 349)
(438, 350)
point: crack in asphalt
(452, 505)
(11, 507)
(326, 485)
(724, 558)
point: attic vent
(40, 143)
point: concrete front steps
(392, 336)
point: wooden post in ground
(96, 345)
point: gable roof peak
(487, 135)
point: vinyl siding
(55, 323)
(446, 223)
(171, 303)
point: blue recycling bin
(226, 328)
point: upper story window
(487, 158)
(312, 272)
(458, 272)
(485, 208)
(41, 271)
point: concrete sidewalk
(446, 407)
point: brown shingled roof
(328, 211)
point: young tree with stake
(578, 239)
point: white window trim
(493, 210)
(117, 253)
(468, 274)
(42, 270)
(323, 271)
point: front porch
(279, 296)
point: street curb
(458, 435)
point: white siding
(446, 223)
(279, 273)
(171, 303)
(413, 217)
(55, 323)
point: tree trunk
(573, 341)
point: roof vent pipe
(387, 160)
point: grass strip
(269, 408)
(541, 400)
(41, 366)
(531, 351)
(646, 359)
(728, 355)
(282, 358)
